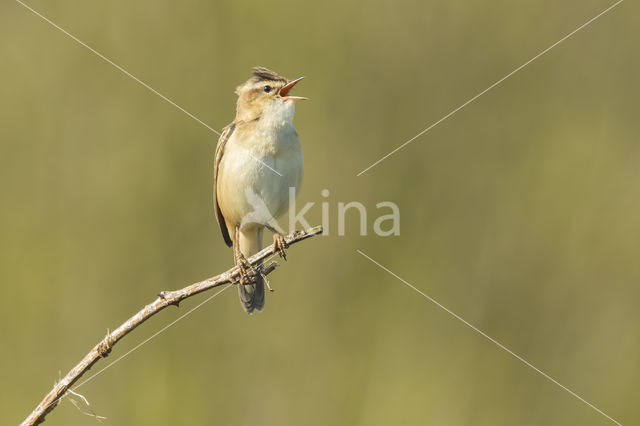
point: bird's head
(266, 93)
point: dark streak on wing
(224, 137)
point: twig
(165, 298)
(89, 413)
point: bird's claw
(248, 273)
(279, 245)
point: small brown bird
(258, 159)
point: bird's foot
(279, 245)
(248, 273)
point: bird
(258, 164)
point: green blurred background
(520, 213)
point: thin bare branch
(165, 298)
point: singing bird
(257, 160)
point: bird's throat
(277, 116)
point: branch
(165, 298)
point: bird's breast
(259, 167)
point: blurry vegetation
(520, 212)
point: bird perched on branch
(258, 159)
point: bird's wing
(224, 137)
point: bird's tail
(251, 295)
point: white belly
(249, 189)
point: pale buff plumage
(258, 143)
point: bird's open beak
(284, 91)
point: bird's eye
(267, 88)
